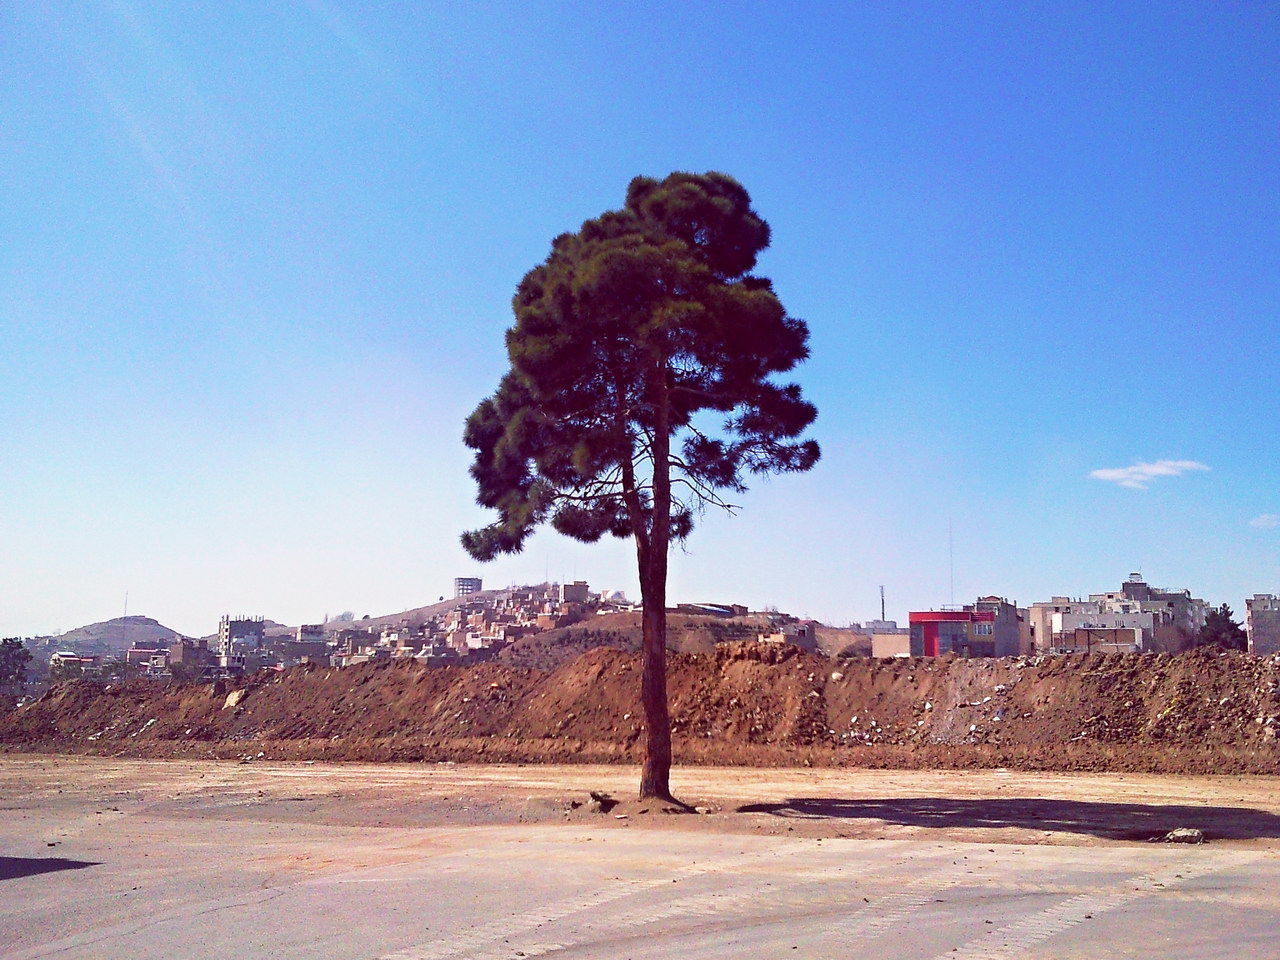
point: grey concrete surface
(146, 862)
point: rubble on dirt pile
(744, 703)
(1183, 835)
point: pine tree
(641, 390)
(1222, 630)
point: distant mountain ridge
(110, 638)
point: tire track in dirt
(1015, 940)
(491, 934)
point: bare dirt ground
(987, 806)
(177, 858)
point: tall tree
(641, 391)
(1222, 630)
(14, 657)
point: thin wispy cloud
(1141, 474)
(1266, 521)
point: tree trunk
(655, 776)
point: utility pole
(882, 601)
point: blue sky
(258, 260)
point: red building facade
(988, 628)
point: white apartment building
(1262, 623)
(1168, 619)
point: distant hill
(417, 616)
(109, 638)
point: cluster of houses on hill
(477, 625)
(477, 629)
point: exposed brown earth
(622, 631)
(741, 704)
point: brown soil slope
(622, 631)
(744, 703)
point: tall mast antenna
(882, 601)
(951, 559)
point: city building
(307, 645)
(1168, 619)
(1075, 632)
(887, 638)
(1097, 638)
(803, 634)
(988, 627)
(576, 592)
(464, 586)
(713, 609)
(1262, 623)
(891, 644)
(150, 657)
(238, 634)
(71, 664)
(190, 658)
(1040, 619)
(1182, 614)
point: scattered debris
(600, 802)
(234, 699)
(1183, 835)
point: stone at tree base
(233, 699)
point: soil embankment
(742, 704)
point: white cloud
(1140, 475)
(1266, 521)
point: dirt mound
(741, 703)
(623, 631)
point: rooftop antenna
(951, 557)
(882, 601)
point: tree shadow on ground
(1116, 821)
(11, 868)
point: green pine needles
(642, 388)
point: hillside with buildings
(549, 671)
(542, 625)
(545, 625)
(96, 644)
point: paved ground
(132, 859)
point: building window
(982, 629)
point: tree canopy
(641, 390)
(14, 657)
(1222, 630)
(635, 326)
